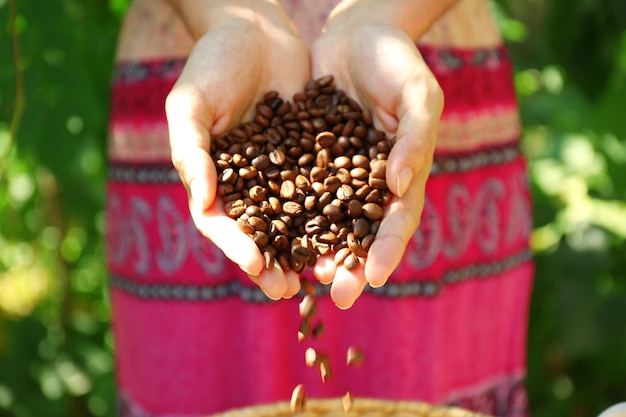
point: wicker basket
(362, 407)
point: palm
(226, 74)
(381, 67)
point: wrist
(202, 16)
(413, 17)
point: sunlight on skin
(347, 286)
(225, 233)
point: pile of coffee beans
(306, 177)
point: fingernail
(404, 180)
(250, 273)
(198, 194)
(344, 307)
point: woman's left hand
(380, 66)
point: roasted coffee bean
(328, 237)
(342, 162)
(288, 190)
(348, 126)
(378, 183)
(310, 202)
(303, 183)
(333, 212)
(323, 248)
(354, 209)
(308, 287)
(269, 260)
(318, 174)
(378, 168)
(308, 307)
(345, 193)
(239, 160)
(322, 159)
(332, 183)
(325, 370)
(359, 173)
(244, 226)
(317, 330)
(247, 172)
(325, 199)
(232, 197)
(374, 227)
(361, 228)
(258, 223)
(258, 193)
(387, 196)
(359, 131)
(298, 399)
(235, 208)
(304, 330)
(347, 401)
(278, 226)
(287, 175)
(355, 247)
(311, 358)
(372, 211)
(354, 356)
(277, 157)
(228, 175)
(374, 196)
(260, 238)
(351, 262)
(306, 159)
(325, 139)
(281, 243)
(225, 189)
(361, 161)
(344, 176)
(292, 208)
(341, 255)
(299, 253)
(275, 204)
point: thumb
(190, 145)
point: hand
(380, 66)
(244, 53)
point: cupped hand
(226, 74)
(380, 66)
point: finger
(226, 235)
(190, 144)
(401, 219)
(347, 286)
(293, 284)
(324, 269)
(272, 282)
(419, 111)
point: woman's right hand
(242, 51)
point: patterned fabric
(194, 336)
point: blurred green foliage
(55, 341)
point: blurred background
(55, 341)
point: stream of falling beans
(308, 311)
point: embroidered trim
(130, 72)
(505, 396)
(421, 288)
(464, 163)
(166, 174)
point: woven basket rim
(372, 407)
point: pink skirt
(194, 336)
